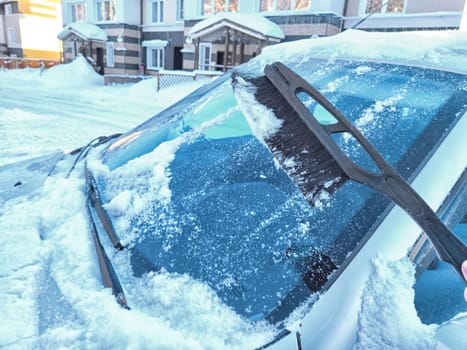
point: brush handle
(387, 181)
(447, 245)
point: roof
(84, 30)
(252, 24)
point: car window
(438, 296)
(202, 196)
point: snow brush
(306, 150)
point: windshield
(192, 191)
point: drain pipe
(141, 21)
(344, 15)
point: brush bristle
(297, 149)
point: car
(194, 192)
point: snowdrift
(78, 73)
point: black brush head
(297, 149)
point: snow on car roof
(437, 49)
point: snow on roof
(87, 31)
(156, 43)
(251, 22)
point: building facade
(28, 29)
(205, 34)
(398, 15)
(119, 52)
(163, 24)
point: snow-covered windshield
(193, 191)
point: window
(391, 6)
(433, 298)
(211, 7)
(77, 11)
(11, 37)
(155, 58)
(157, 11)
(8, 9)
(302, 5)
(180, 10)
(283, 5)
(110, 54)
(106, 10)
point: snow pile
(69, 112)
(9, 76)
(78, 73)
(388, 317)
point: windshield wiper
(95, 201)
(109, 276)
(83, 151)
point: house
(120, 36)
(107, 32)
(221, 34)
(163, 33)
(28, 31)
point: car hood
(25, 177)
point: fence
(18, 62)
(166, 78)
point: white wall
(128, 11)
(192, 9)
(336, 6)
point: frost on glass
(199, 193)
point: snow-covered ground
(48, 258)
(69, 105)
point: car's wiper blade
(109, 276)
(83, 151)
(95, 201)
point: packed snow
(66, 106)
(49, 274)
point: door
(100, 60)
(205, 50)
(220, 60)
(178, 58)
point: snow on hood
(437, 49)
(78, 73)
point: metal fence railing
(166, 78)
